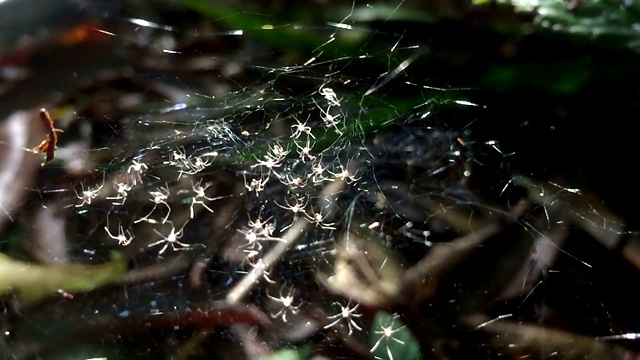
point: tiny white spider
(160, 196)
(88, 195)
(200, 196)
(258, 230)
(317, 219)
(287, 305)
(171, 239)
(123, 190)
(262, 228)
(305, 151)
(317, 172)
(193, 167)
(121, 238)
(346, 313)
(278, 152)
(274, 158)
(300, 128)
(344, 175)
(269, 163)
(262, 266)
(253, 243)
(330, 96)
(328, 119)
(293, 182)
(135, 170)
(386, 334)
(179, 156)
(256, 185)
(297, 208)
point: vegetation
(290, 180)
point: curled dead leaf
(363, 271)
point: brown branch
(420, 282)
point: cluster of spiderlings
(167, 190)
(285, 179)
(137, 197)
(295, 164)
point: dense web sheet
(332, 199)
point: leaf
(300, 353)
(610, 24)
(384, 12)
(364, 271)
(259, 26)
(31, 282)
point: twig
(288, 240)
(541, 342)
(443, 258)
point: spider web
(320, 187)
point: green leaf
(608, 23)
(393, 12)
(32, 282)
(263, 27)
(300, 353)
